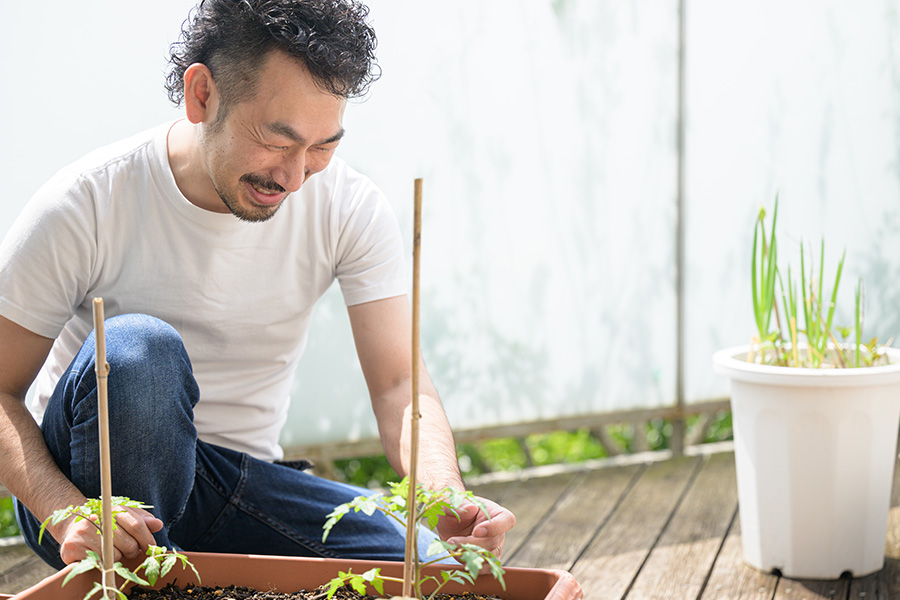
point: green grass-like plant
(430, 506)
(814, 344)
(158, 563)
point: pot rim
(729, 362)
(561, 585)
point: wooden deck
(642, 527)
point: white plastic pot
(814, 452)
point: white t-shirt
(114, 225)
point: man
(210, 239)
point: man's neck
(187, 166)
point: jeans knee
(149, 366)
(135, 338)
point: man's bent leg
(151, 392)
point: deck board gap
(573, 483)
(734, 516)
(698, 466)
(637, 476)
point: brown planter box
(290, 574)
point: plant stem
(794, 341)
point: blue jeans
(209, 498)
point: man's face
(268, 146)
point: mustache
(262, 182)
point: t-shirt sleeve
(369, 260)
(47, 256)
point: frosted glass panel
(545, 135)
(802, 98)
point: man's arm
(28, 470)
(383, 334)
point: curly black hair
(232, 37)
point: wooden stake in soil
(101, 368)
(412, 551)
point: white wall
(545, 131)
(74, 76)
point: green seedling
(158, 563)
(430, 506)
(763, 274)
(808, 339)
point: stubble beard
(254, 213)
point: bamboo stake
(101, 368)
(412, 551)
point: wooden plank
(20, 568)
(530, 500)
(807, 589)
(498, 491)
(885, 584)
(12, 555)
(561, 537)
(609, 565)
(680, 562)
(732, 578)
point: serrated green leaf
(497, 571)
(128, 574)
(358, 584)
(437, 546)
(471, 559)
(333, 587)
(167, 564)
(433, 513)
(366, 504)
(97, 588)
(185, 563)
(83, 566)
(457, 576)
(378, 584)
(400, 488)
(333, 517)
(151, 569)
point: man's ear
(201, 98)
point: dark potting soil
(232, 592)
(199, 592)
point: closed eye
(329, 148)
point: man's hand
(134, 532)
(474, 527)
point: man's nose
(295, 172)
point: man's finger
(139, 526)
(499, 523)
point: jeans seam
(235, 502)
(82, 390)
(287, 532)
(229, 508)
(238, 502)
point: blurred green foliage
(506, 454)
(8, 525)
